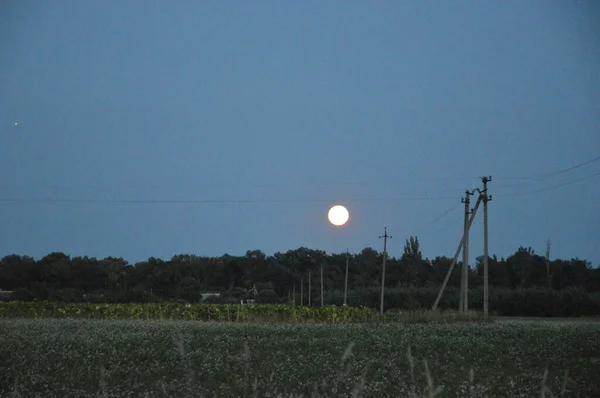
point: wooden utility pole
(462, 242)
(302, 291)
(385, 238)
(486, 292)
(294, 292)
(463, 305)
(321, 284)
(547, 261)
(346, 281)
(309, 288)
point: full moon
(338, 215)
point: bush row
(176, 311)
(225, 312)
(540, 302)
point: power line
(235, 185)
(250, 201)
(274, 201)
(220, 201)
(551, 187)
(438, 218)
(449, 224)
(441, 215)
(558, 186)
(553, 173)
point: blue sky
(403, 104)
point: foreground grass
(77, 358)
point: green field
(106, 358)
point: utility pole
(346, 282)
(294, 292)
(486, 292)
(547, 261)
(385, 238)
(321, 284)
(302, 291)
(463, 305)
(462, 241)
(309, 288)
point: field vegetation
(83, 327)
(228, 313)
(115, 358)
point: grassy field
(103, 358)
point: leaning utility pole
(346, 282)
(385, 238)
(462, 241)
(463, 305)
(321, 284)
(486, 292)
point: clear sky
(277, 110)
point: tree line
(59, 277)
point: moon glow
(338, 215)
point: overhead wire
(450, 224)
(443, 228)
(423, 226)
(557, 186)
(556, 172)
(250, 201)
(538, 177)
(442, 215)
(439, 217)
(208, 201)
(238, 185)
(565, 184)
(399, 198)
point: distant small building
(5, 295)
(92, 297)
(207, 295)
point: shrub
(268, 296)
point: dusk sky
(154, 128)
